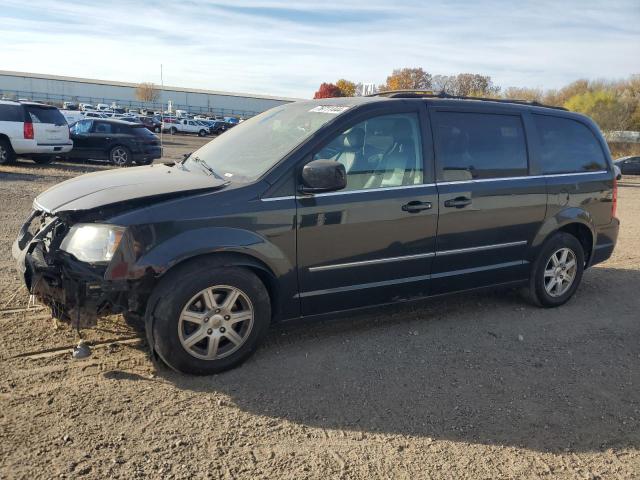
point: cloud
(285, 48)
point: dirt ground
(473, 386)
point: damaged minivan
(326, 206)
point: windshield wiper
(206, 166)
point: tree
(347, 88)
(328, 90)
(147, 92)
(408, 79)
(474, 85)
(608, 110)
(524, 93)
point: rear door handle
(416, 206)
(458, 202)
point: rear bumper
(27, 147)
(148, 153)
(605, 242)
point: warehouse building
(57, 89)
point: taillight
(28, 130)
(614, 206)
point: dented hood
(98, 189)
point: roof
(9, 73)
(442, 95)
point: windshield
(249, 149)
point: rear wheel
(7, 155)
(202, 133)
(120, 156)
(557, 271)
(207, 320)
(157, 129)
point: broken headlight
(92, 242)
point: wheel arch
(574, 221)
(217, 260)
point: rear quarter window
(11, 113)
(141, 131)
(568, 146)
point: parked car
(617, 172)
(90, 114)
(327, 206)
(70, 105)
(152, 123)
(130, 119)
(86, 107)
(629, 165)
(219, 127)
(72, 116)
(102, 107)
(185, 126)
(122, 143)
(33, 130)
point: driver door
(373, 242)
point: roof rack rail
(429, 94)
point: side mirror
(323, 176)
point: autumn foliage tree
(147, 92)
(408, 79)
(328, 90)
(347, 88)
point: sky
(288, 48)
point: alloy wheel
(215, 322)
(560, 272)
(4, 156)
(119, 156)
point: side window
(83, 126)
(567, 146)
(479, 145)
(11, 113)
(102, 127)
(383, 151)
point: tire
(202, 133)
(157, 129)
(173, 130)
(7, 155)
(120, 156)
(183, 345)
(548, 285)
(43, 159)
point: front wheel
(557, 271)
(174, 130)
(120, 156)
(157, 129)
(209, 319)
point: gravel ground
(472, 386)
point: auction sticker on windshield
(335, 109)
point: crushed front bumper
(75, 291)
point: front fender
(164, 250)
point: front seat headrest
(354, 139)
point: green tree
(605, 107)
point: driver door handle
(416, 206)
(458, 202)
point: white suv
(32, 130)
